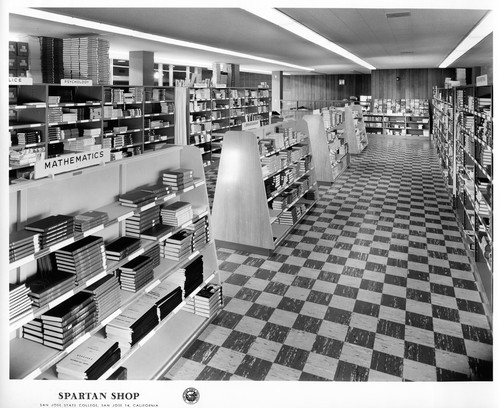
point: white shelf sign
(482, 80)
(70, 162)
(20, 81)
(79, 82)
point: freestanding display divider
(243, 214)
(355, 131)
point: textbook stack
(89, 360)
(67, 321)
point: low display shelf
(266, 184)
(30, 359)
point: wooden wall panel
(252, 80)
(413, 83)
(325, 87)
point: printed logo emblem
(191, 396)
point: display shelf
(330, 152)
(462, 133)
(354, 130)
(243, 213)
(29, 359)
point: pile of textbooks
(19, 300)
(122, 247)
(177, 213)
(52, 229)
(22, 244)
(90, 219)
(178, 179)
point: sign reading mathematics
(70, 162)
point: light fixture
(282, 20)
(58, 18)
(481, 30)
(254, 71)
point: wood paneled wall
(325, 87)
(412, 84)
(252, 80)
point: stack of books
(207, 301)
(159, 190)
(89, 360)
(142, 221)
(178, 246)
(49, 286)
(19, 300)
(177, 213)
(154, 254)
(122, 247)
(166, 297)
(178, 278)
(33, 331)
(178, 179)
(52, 229)
(199, 233)
(194, 275)
(136, 198)
(64, 323)
(106, 295)
(119, 374)
(51, 56)
(90, 219)
(135, 322)
(84, 258)
(22, 244)
(136, 273)
(28, 137)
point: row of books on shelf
(417, 107)
(63, 324)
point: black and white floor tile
(373, 285)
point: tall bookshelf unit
(200, 121)
(263, 189)
(330, 151)
(69, 193)
(48, 120)
(463, 136)
(354, 129)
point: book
(49, 223)
(70, 306)
(122, 247)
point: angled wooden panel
(319, 146)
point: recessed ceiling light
(282, 20)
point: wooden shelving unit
(128, 120)
(463, 136)
(69, 193)
(243, 214)
(397, 124)
(330, 152)
(354, 129)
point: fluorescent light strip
(254, 71)
(58, 18)
(282, 20)
(481, 30)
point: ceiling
(420, 38)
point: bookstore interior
(299, 194)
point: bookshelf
(330, 152)
(48, 120)
(264, 188)
(68, 194)
(397, 124)
(463, 136)
(354, 129)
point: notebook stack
(90, 219)
(135, 322)
(177, 213)
(136, 198)
(85, 258)
(19, 300)
(34, 331)
(208, 300)
(199, 233)
(159, 190)
(177, 246)
(166, 296)
(194, 275)
(136, 273)
(51, 60)
(89, 360)
(22, 244)
(52, 229)
(49, 286)
(106, 295)
(64, 323)
(178, 179)
(154, 254)
(142, 221)
(122, 247)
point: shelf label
(20, 81)
(79, 82)
(253, 124)
(70, 162)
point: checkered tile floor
(373, 285)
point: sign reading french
(70, 162)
